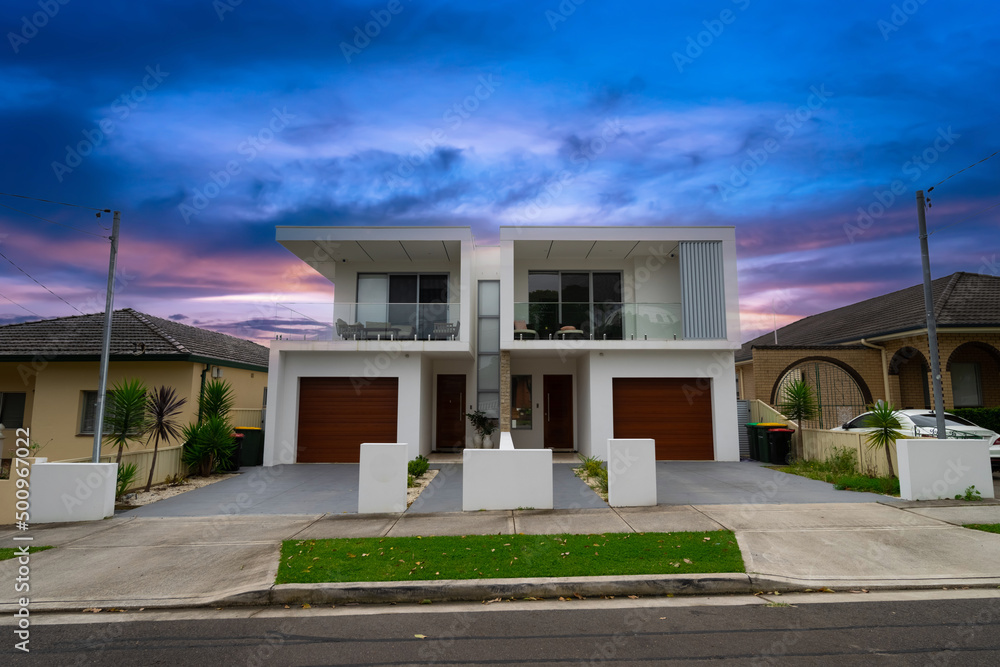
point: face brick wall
(770, 363)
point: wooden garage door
(337, 414)
(676, 412)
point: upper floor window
(589, 302)
(405, 303)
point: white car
(923, 424)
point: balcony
(597, 321)
(374, 321)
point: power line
(966, 169)
(61, 224)
(968, 217)
(61, 203)
(19, 305)
(40, 285)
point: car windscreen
(931, 421)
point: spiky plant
(162, 408)
(798, 403)
(125, 416)
(883, 419)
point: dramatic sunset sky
(208, 123)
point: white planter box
(631, 472)
(72, 491)
(382, 477)
(930, 469)
(505, 479)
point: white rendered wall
(503, 479)
(287, 366)
(716, 367)
(382, 477)
(631, 472)
(72, 491)
(930, 469)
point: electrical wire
(966, 169)
(40, 285)
(61, 224)
(968, 217)
(50, 201)
(19, 305)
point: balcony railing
(374, 321)
(597, 321)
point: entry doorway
(450, 421)
(557, 392)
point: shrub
(418, 466)
(602, 480)
(127, 473)
(592, 465)
(842, 461)
(982, 417)
(207, 444)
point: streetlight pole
(106, 342)
(931, 323)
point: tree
(210, 440)
(883, 419)
(798, 403)
(125, 417)
(162, 408)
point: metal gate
(837, 394)
(743, 417)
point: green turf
(7, 554)
(988, 527)
(497, 556)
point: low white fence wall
(930, 469)
(631, 472)
(382, 477)
(72, 491)
(504, 479)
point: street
(904, 628)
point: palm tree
(798, 403)
(883, 420)
(162, 409)
(125, 417)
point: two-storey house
(567, 335)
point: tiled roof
(133, 334)
(960, 300)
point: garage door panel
(336, 415)
(675, 412)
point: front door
(558, 396)
(450, 412)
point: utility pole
(931, 324)
(106, 342)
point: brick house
(877, 349)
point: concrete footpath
(132, 562)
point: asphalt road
(737, 631)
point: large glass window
(590, 302)
(411, 303)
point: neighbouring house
(877, 349)
(567, 335)
(49, 374)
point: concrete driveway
(333, 489)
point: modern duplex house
(567, 335)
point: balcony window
(588, 301)
(406, 303)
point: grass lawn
(7, 554)
(988, 527)
(498, 556)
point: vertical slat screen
(703, 295)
